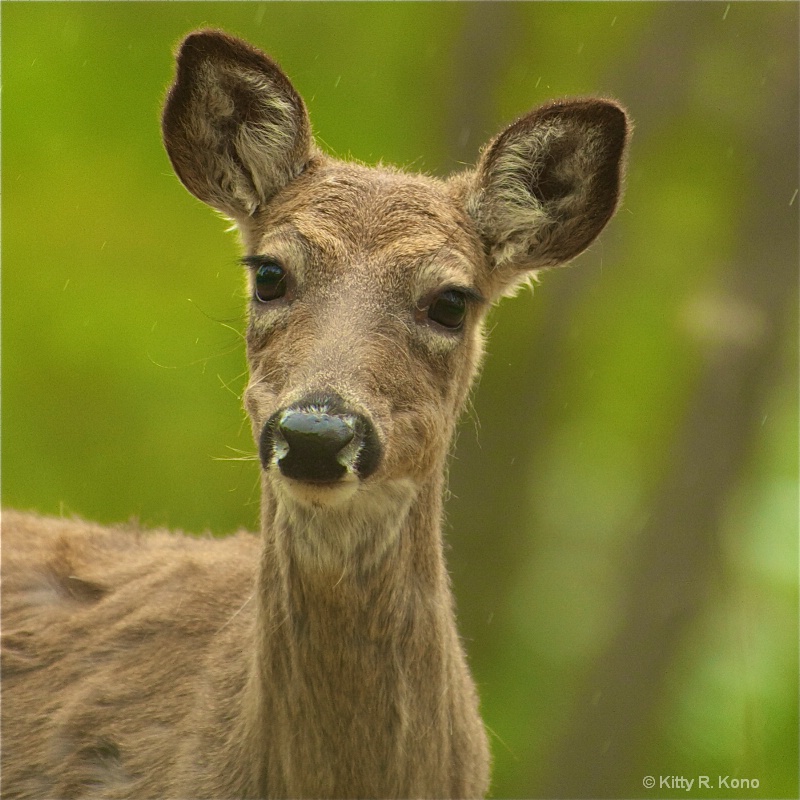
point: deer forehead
(402, 231)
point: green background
(623, 523)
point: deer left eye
(448, 309)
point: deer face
(367, 293)
(368, 286)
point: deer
(320, 657)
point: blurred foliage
(122, 309)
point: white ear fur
(546, 186)
(234, 127)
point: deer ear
(546, 186)
(234, 127)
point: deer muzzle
(319, 440)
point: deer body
(321, 658)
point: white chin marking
(317, 495)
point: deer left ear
(546, 186)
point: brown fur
(320, 659)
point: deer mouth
(315, 494)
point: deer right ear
(234, 127)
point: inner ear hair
(546, 186)
(234, 127)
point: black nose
(315, 442)
(320, 442)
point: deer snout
(320, 442)
(313, 443)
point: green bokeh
(122, 312)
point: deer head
(369, 286)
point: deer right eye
(270, 282)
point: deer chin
(349, 525)
(313, 494)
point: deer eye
(270, 281)
(448, 309)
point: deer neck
(355, 656)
